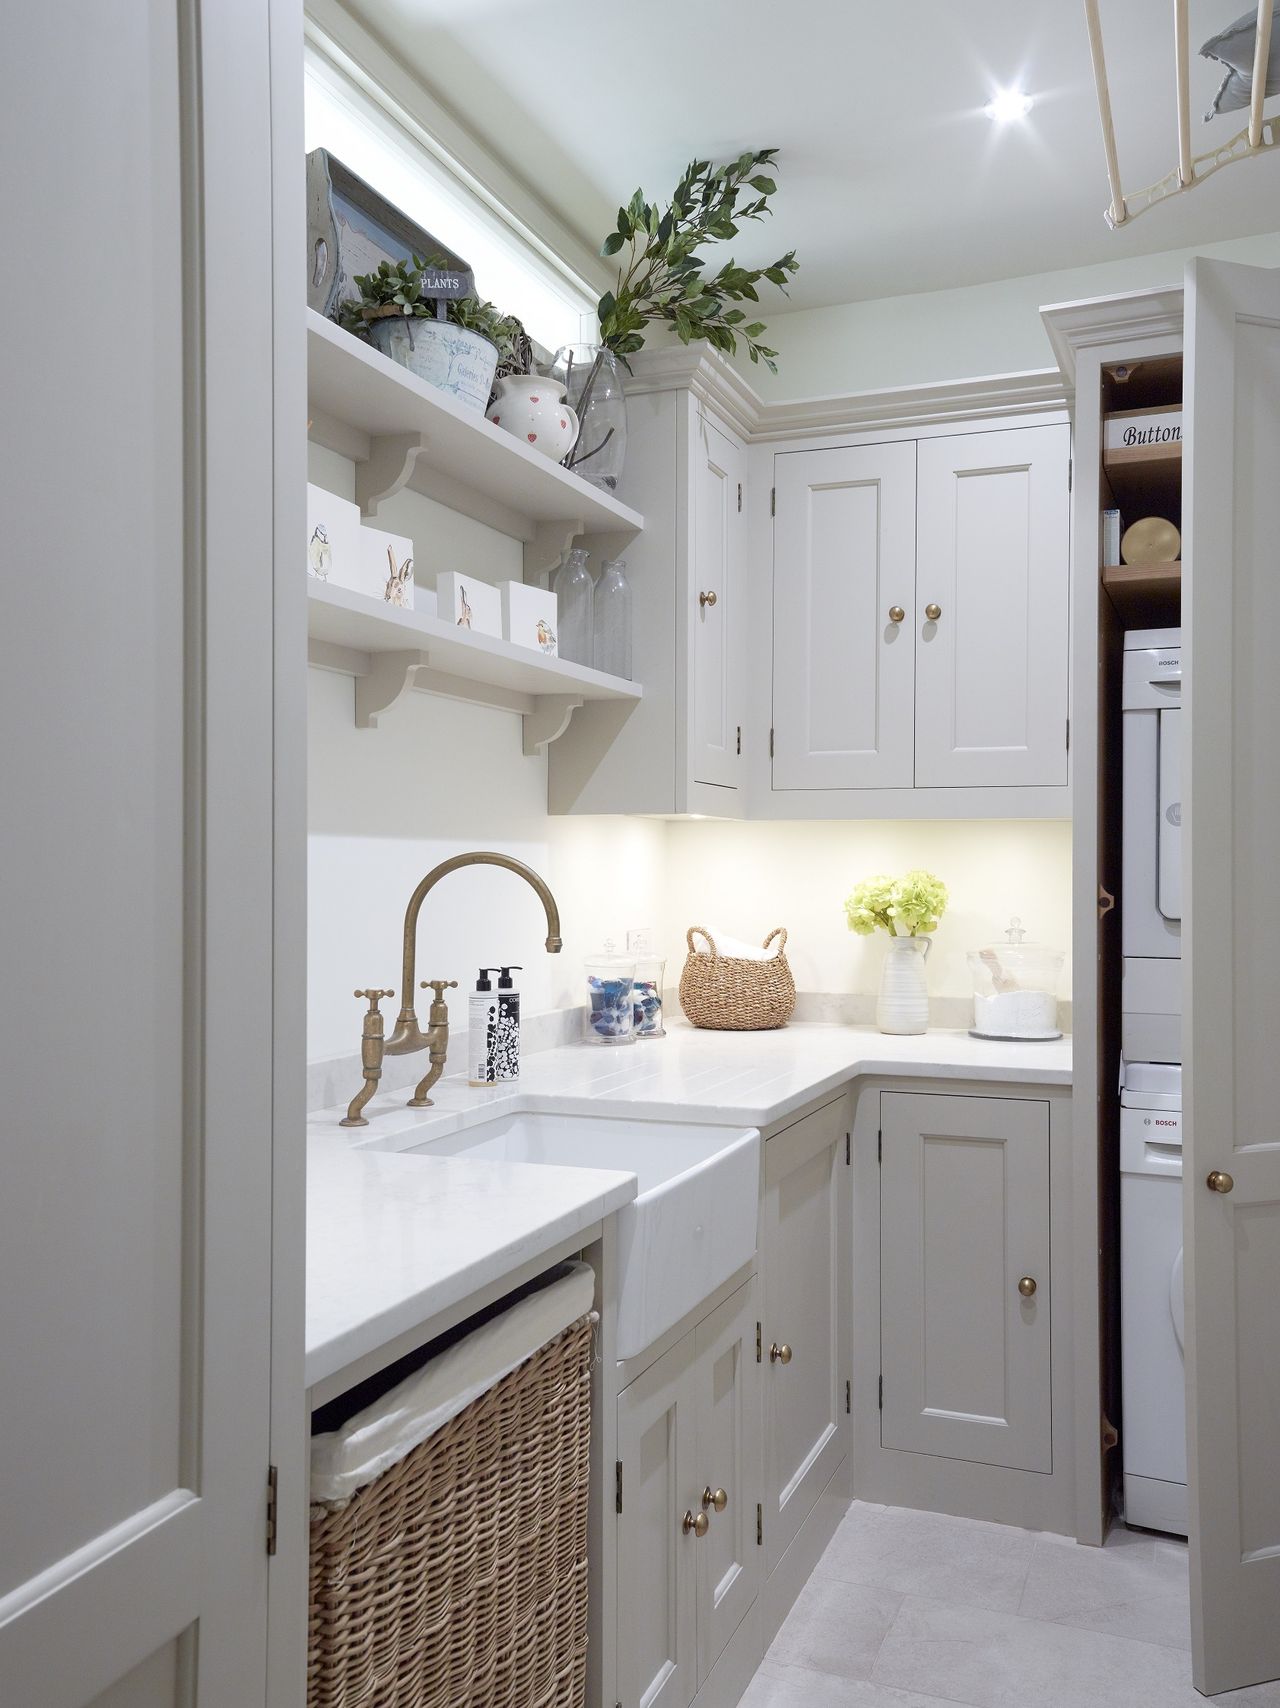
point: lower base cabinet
(965, 1300)
(688, 1487)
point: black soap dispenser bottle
(493, 1035)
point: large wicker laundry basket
(458, 1578)
(725, 993)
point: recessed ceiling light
(1006, 105)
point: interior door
(657, 1429)
(136, 933)
(805, 1233)
(1231, 969)
(994, 546)
(728, 1461)
(964, 1233)
(844, 549)
(715, 619)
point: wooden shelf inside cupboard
(400, 431)
(1145, 595)
(390, 651)
(1146, 481)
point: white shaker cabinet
(713, 611)
(964, 1279)
(688, 1483)
(843, 618)
(804, 1250)
(993, 556)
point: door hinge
(739, 497)
(759, 1345)
(847, 1146)
(771, 741)
(880, 1395)
(880, 1145)
(773, 501)
(617, 1491)
(273, 1506)
(1068, 735)
(1071, 472)
(739, 727)
(848, 1397)
(759, 1524)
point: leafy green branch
(663, 277)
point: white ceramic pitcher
(534, 411)
(903, 1003)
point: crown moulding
(1076, 326)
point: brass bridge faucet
(407, 1036)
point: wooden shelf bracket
(390, 674)
(548, 721)
(390, 464)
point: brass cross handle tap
(439, 986)
(372, 1045)
(374, 998)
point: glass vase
(612, 613)
(575, 607)
(592, 380)
(903, 1004)
(609, 1017)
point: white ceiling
(891, 178)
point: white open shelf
(390, 651)
(400, 431)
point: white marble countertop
(394, 1240)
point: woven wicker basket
(458, 1578)
(725, 994)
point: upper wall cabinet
(920, 615)
(993, 556)
(682, 749)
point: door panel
(657, 1660)
(717, 574)
(135, 1231)
(1231, 969)
(728, 1458)
(993, 536)
(843, 672)
(805, 1246)
(964, 1216)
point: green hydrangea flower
(910, 906)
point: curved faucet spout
(407, 1035)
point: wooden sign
(1140, 429)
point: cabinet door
(713, 614)
(843, 670)
(993, 546)
(805, 1250)
(964, 1217)
(657, 1660)
(727, 1558)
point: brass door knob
(933, 612)
(714, 1497)
(1027, 1286)
(699, 1524)
(897, 614)
(1219, 1182)
(779, 1354)
(705, 599)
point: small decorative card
(1136, 429)
(529, 617)
(386, 567)
(333, 538)
(468, 603)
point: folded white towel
(734, 946)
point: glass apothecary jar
(1015, 988)
(610, 1010)
(647, 998)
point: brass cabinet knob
(714, 1497)
(933, 612)
(779, 1354)
(699, 1524)
(1219, 1182)
(1027, 1286)
(897, 614)
(705, 599)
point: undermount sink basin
(692, 1225)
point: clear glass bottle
(613, 619)
(646, 997)
(575, 607)
(592, 378)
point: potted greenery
(663, 279)
(909, 909)
(459, 353)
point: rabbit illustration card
(468, 603)
(386, 567)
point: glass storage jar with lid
(610, 1010)
(1015, 988)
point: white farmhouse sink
(692, 1225)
